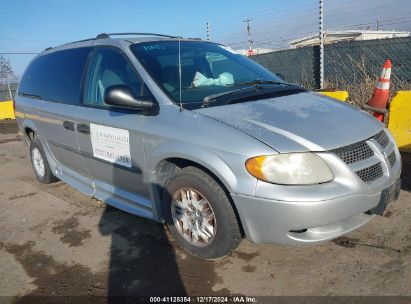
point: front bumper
(285, 222)
(270, 221)
(304, 222)
(317, 213)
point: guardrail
(399, 116)
(399, 119)
(340, 95)
(6, 110)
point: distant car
(189, 133)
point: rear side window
(32, 81)
(56, 76)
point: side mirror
(122, 96)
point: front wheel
(199, 214)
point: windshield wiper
(255, 85)
(213, 97)
(262, 81)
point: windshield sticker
(228, 49)
(111, 144)
(153, 47)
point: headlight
(290, 169)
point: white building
(256, 51)
(337, 36)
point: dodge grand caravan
(189, 133)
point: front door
(110, 138)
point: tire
(39, 162)
(224, 234)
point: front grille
(382, 139)
(362, 151)
(371, 173)
(355, 152)
(392, 158)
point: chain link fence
(5, 93)
(353, 65)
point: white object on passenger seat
(222, 80)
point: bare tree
(7, 75)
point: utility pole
(8, 86)
(250, 42)
(208, 30)
(378, 24)
(321, 45)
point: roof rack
(84, 40)
(105, 35)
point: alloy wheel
(193, 217)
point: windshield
(206, 69)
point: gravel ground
(56, 241)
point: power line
(297, 8)
(239, 18)
(31, 40)
(239, 34)
(226, 28)
(277, 40)
(261, 28)
(18, 53)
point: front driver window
(108, 67)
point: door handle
(83, 128)
(68, 125)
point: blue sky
(31, 26)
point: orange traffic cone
(379, 99)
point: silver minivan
(190, 133)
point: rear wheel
(40, 165)
(199, 214)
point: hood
(298, 123)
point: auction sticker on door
(111, 144)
